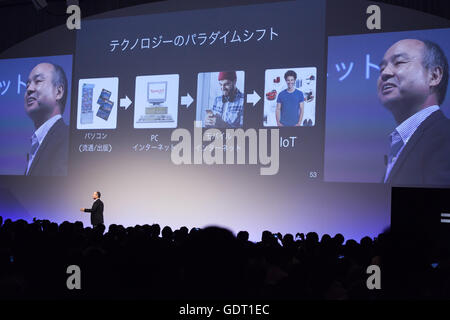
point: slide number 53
(313, 174)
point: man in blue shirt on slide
(290, 103)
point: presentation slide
(204, 71)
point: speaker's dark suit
(96, 212)
(425, 159)
(51, 157)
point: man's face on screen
(95, 195)
(41, 94)
(403, 81)
(290, 81)
(227, 86)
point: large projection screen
(260, 115)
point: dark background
(20, 19)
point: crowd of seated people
(145, 262)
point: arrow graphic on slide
(125, 102)
(253, 98)
(186, 100)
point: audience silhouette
(211, 263)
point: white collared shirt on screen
(40, 134)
